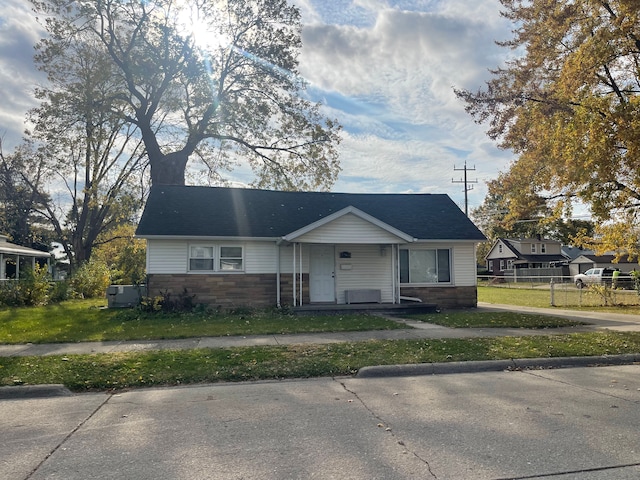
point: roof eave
(208, 238)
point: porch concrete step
(386, 308)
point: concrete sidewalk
(415, 330)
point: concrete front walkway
(415, 330)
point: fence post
(552, 289)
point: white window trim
(242, 260)
(216, 258)
(533, 248)
(432, 284)
(189, 257)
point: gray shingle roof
(236, 212)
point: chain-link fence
(562, 292)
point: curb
(25, 392)
(495, 365)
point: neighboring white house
(232, 247)
(14, 258)
(528, 253)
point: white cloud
(390, 83)
(19, 32)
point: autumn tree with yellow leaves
(568, 105)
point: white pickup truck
(602, 276)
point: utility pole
(466, 182)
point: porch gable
(349, 225)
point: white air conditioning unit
(122, 296)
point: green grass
(77, 321)
(465, 319)
(84, 320)
(124, 370)
(566, 297)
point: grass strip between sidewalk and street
(126, 370)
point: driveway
(577, 423)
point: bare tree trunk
(169, 169)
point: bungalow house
(14, 258)
(507, 255)
(244, 247)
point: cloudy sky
(385, 69)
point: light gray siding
(464, 265)
(167, 256)
(172, 256)
(260, 257)
(370, 267)
(349, 229)
(286, 258)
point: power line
(466, 182)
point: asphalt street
(575, 423)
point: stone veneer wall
(259, 290)
(228, 290)
(444, 297)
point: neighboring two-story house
(532, 253)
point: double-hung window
(425, 266)
(201, 257)
(231, 258)
(216, 258)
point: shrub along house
(243, 247)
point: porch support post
(278, 304)
(396, 272)
(3, 267)
(17, 267)
(301, 275)
(295, 290)
(394, 283)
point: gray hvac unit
(122, 296)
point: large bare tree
(83, 160)
(212, 79)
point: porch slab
(382, 308)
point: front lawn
(466, 319)
(565, 296)
(85, 320)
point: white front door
(321, 274)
